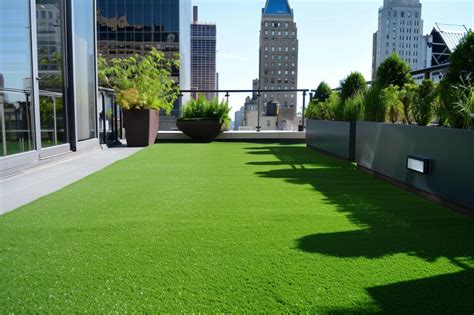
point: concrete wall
(331, 136)
(384, 148)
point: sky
(335, 37)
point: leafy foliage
(354, 108)
(424, 103)
(141, 81)
(407, 96)
(393, 71)
(353, 85)
(461, 68)
(204, 109)
(464, 104)
(322, 93)
(391, 100)
(374, 108)
(335, 107)
(331, 109)
(460, 72)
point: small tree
(424, 103)
(391, 101)
(461, 67)
(322, 93)
(460, 71)
(353, 85)
(407, 97)
(393, 71)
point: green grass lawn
(235, 227)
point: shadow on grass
(391, 220)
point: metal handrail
(258, 92)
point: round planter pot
(141, 126)
(202, 130)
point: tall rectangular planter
(385, 148)
(334, 137)
(141, 126)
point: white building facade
(400, 30)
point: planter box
(141, 126)
(334, 137)
(202, 130)
(385, 148)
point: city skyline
(326, 28)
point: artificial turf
(235, 227)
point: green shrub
(424, 103)
(464, 104)
(393, 71)
(407, 97)
(322, 93)
(460, 71)
(353, 85)
(311, 110)
(391, 100)
(335, 107)
(141, 81)
(204, 109)
(374, 109)
(354, 108)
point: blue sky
(335, 37)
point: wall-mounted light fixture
(418, 164)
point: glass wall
(84, 65)
(49, 31)
(16, 105)
(126, 28)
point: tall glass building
(128, 27)
(48, 85)
(203, 56)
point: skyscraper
(203, 56)
(400, 30)
(128, 27)
(279, 60)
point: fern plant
(201, 109)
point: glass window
(16, 106)
(51, 74)
(84, 64)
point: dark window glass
(16, 106)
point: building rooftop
(451, 34)
(277, 7)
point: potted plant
(143, 86)
(204, 120)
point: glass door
(51, 65)
(17, 129)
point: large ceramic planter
(202, 130)
(141, 126)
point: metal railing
(258, 104)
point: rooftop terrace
(234, 227)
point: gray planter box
(334, 137)
(385, 148)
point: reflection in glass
(49, 22)
(53, 131)
(16, 107)
(84, 76)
